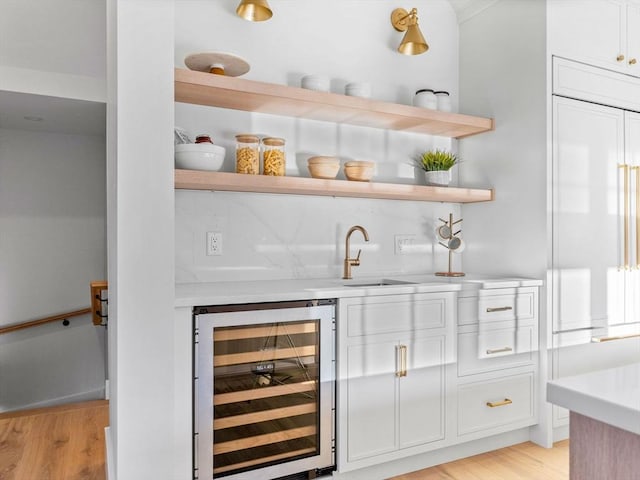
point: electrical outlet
(214, 243)
(404, 243)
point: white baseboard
(96, 394)
(108, 464)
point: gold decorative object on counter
(273, 157)
(247, 154)
(453, 243)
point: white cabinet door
(632, 160)
(597, 32)
(371, 399)
(588, 146)
(592, 31)
(421, 392)
(633, 38)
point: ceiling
(51, 114)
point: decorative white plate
(232, 65)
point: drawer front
(495, 349)
(496, 308)
(496, 403)
(392, 314)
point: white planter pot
(439, 178)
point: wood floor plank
(525, 461)
(61, 443)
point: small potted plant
(436, 165)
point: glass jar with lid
(247, 154)
(273, 156)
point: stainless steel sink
(380, 283)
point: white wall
(503, 74)
(52, 245)
(271, 236)
(141, 232)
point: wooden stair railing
(97, 311)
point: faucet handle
(358, 256)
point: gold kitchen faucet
(352, 262)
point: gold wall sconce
(413, 42)
(254, 10)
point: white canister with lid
(443, 100)
(425, 98)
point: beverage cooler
(264, 390)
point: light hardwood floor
(57, 443)
(525, 461)
(67, 443)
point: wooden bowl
(359, 170)
(323, 167)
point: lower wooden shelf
(234, 182)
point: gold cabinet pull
(620, 58)
(633, 61)
(502, 403)
(401, 350)
(610, 339)
(625, 171)
(499, 350)
(498, 309)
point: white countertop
(223, 293)
(611, 396)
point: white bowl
(199, 156)
(315, 82)
(358, 89)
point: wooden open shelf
(248, 95)
(234, 182)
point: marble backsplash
(267, 236)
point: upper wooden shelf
(234, 182)
(248, 95)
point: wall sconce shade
(413, 42)
(254, 10)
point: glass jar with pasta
(273, 157)
(247, 154)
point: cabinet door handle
(502, 403)
(498, 309)
(625, 171)
(609, 339)
(633, 61)
(499, 350)
(620, 58)
(401, 351)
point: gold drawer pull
(498, 309)
(619, 58)
(499, 350)
(609, 339)
(504, 402)
(633, 61)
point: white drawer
(496, 308)
(399, 313)
(490, 350)
(507, 401)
